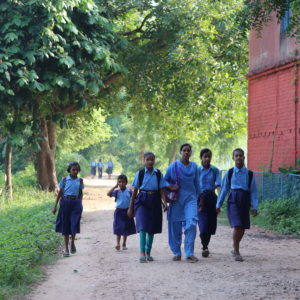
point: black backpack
(142, 175)
(250, 177)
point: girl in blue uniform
(123, 225)
(183, 213)
(146, 204)
(110, 167)
(240, 183)
(93, 168)
(70, 206)
(210, 179)
(100, 168)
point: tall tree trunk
(141, 154)
(8, 165)
(46, 172)
(173, 151)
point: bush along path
(27, 240)
(271, 269)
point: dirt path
(271, 269)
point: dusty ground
(271, 269)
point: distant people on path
(146, 205)
(239, 181)
(210, 180)
(70, 207)
(123, 226)
(109, 167)
(100, 168)
(93, 168)
(183, 214)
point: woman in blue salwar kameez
(183, 215)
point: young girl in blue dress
(210, 180)
(240, 183)
(146, 205)
(183, 214)
(70, 207)
(123, 225)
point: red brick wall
(273, 118)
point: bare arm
(58, 197)
(109, 193)
(163, 198)
(133, 197)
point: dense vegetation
(24, 242)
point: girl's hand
(165, 206)
(54, 210)
(254, 213)
(174, 188)
(218, 210)
(130, 213)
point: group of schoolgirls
(196, 204)
(96, 165)
(99, 166)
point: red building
(274, 92)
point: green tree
(55, 56)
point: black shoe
(205, 252)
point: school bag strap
(250, 177)
(65, 181)
(142, 175)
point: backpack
(117, 191)
(142, 175)
(250, 177)
(64, 185)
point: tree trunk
(173, 151)
(8, 165)
(46, 173)
(142, 152)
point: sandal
(176, 258)
(124, 248)
(66, 254)
(150, 258)
(117, 248)
(73, 249)
(238, 257)
(192, 259)
(143, 259)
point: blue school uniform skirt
(109, 170)
(208, 216)
(123, 225)
(148, 212)
(69, 215)
(93, 170)
(238, 208)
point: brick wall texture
(274, 118)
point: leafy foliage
(259, 13)
(26, 243)
(282, 215)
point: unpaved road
(271, 269)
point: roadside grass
(27, 239)
(281, 215)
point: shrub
(63, 161)
(282, 215)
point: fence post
(281, 184)
(262, 187)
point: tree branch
(139, 29)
